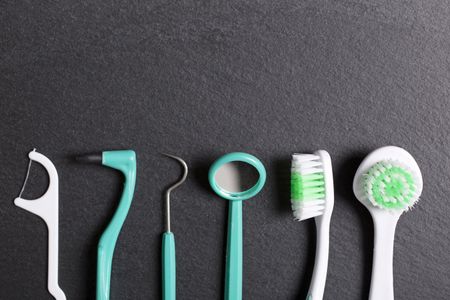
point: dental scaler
(168, 241)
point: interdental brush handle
(47, 207)
(168, 266)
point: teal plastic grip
(233, 275)
(168, 266)
(124, 161)
(234, 260)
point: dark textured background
(199, 79)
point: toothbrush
(124, 161)
(47, 208)
(388, 182)
(168, 241)
(312, 196)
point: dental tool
(124, 161)
(168, 241)
(388, 183)
(234, 256)
(47, 208)
(312, 196)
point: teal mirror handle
(233, 275)
(124, 161)
(168, 266)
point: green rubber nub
(390, 185)
(307, 187)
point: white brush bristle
(312, 202)
(406, 179)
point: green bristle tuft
(390, 186)
(307, 187)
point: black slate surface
(199, 79)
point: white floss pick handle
(47, 207)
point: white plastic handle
(47, 207)
(319, 276)
(382, 285)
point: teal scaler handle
(168, 266)
(234, 259)
(124, 161)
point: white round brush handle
(382, 285)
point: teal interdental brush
(124, 161)
(168, 241)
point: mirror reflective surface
(236, 176)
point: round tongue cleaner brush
(388, 182)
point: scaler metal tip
(174, 186)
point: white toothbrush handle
(319, 275)
(382, 285)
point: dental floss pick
(47, 208)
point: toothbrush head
(388, 179)
(312, 193)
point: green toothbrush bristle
(310, 175)
(307, 187)
(390, 185)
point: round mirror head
(237, 176)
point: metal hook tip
(174, 186)
(179, 159)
